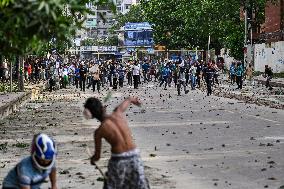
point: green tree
(135, 14)
(186, 23)
(27, 26)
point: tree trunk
(11, 75)
(21, 74)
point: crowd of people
(97, 74)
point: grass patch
(5, 87)
(279, 75)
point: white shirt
(136, 70)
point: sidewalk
(9, 102)
(257, 93)
(275, 82)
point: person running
(198, 74)
(181, 81)
(208, 75)
(145, 70)
(115, 77)
(33, 170)
(96, 80)
(192, 72)
(83, 75)
(268, 75)
(125, 167)
(77, 76)
(136, 74)
(233, 73)
(165, 76)
(239, 75)
(121, 73)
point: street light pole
(245, 41)
(11, 75)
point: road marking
(153, 124)
(177, 110)
(256, 117)
(274, 138)
(171, 157)
(169, 124)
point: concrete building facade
(271, 52)
(124, 5)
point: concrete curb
(15, 104)
(250, 99)
(272, 83)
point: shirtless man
(125, 167)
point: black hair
(96, 108)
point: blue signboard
(137, 26)
(138, 34)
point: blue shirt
(166, 72)
(232, 70)
(121, 72)
(26, 174)
(145, 67)
(77, 72)
(239, 70)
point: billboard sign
(99, 48)
(138, 34)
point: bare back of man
(116, 132)
(125, 167)
(114, 129)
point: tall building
(126, 4)
(96, 26)
(273, 27)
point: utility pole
(245, 40)
(208, 48)
(11, 75)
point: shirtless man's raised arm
(124, 105)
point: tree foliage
(184, 23)
(135, 14)
(28, 26)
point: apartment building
(273, 28)
(126, 4)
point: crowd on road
(98, 74)
(85, 74)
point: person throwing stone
(125, 167)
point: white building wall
(272, 55)
(126, 4)
(227, 59)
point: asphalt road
(186, 142)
